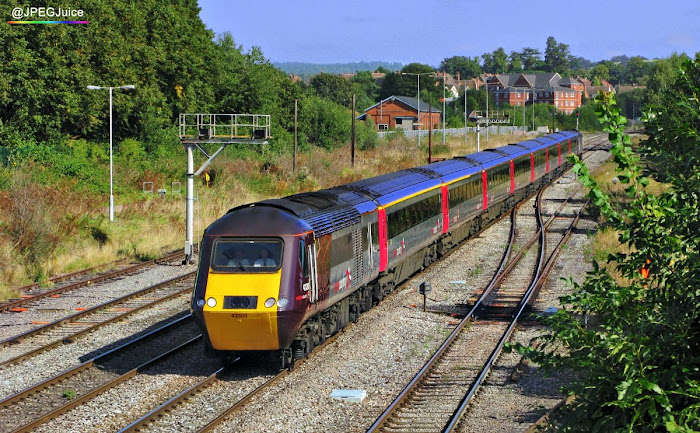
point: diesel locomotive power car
(282, 275)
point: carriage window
(499, 176)
(239, 255)
(522, 166)
(464, 192)
(410, 216)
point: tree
(332, 87)
(599, 72)
(489, 66)
(365, 88)
(556, 56)
(515, 63)
(406, 85)
(495, 62)
(500, 59)
(630, 103)
(530, 57)
(638, 70)
(662, 82)
(466, 67)
(616, 71)
(671, 117)
(325, 123)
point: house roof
(553, 88)
(569, 81)
(538, 81)
(407, 100)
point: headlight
(270, 302)
(211, 302)
(282, 302)
(200, 302)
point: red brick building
(401, 112)
(522, 89)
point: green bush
(325, 123)
(131, 150)
(636, 363)
(365, 135)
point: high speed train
(282, 275)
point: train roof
(513, 150)
(253, 219)
(332, 209)
(486, 158)
(390, 187)
(452, 169)
(569, 133)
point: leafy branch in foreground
(636, 361)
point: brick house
(401, 112)
(522, 89)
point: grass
(81, 236)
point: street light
(487, 111)
(111, 171)
(418, 77)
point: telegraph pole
(352, 137)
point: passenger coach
(282, 275)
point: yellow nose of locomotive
(241, 311)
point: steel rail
(66, 374)
(143, 423)
(65, 277)
(282, 374)
(529, 296)
(80, 284)
(506, 335)
(17, 338)
(405, 393)
(498, 278)
(105, 387)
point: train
(280, 276)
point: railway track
(33, 292)
(552, 246)
(199, 395)
(188, 397)
(57, 395)
(68, 329)
(428, 402)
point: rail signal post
(485, 119)
(204, 129)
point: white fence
(494, 129)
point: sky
(427, 31)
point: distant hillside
(299, 68)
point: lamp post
(111, 170)
(443, 107)
(487, 111)
(533, 108)
(418, 79)
(465, 114)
